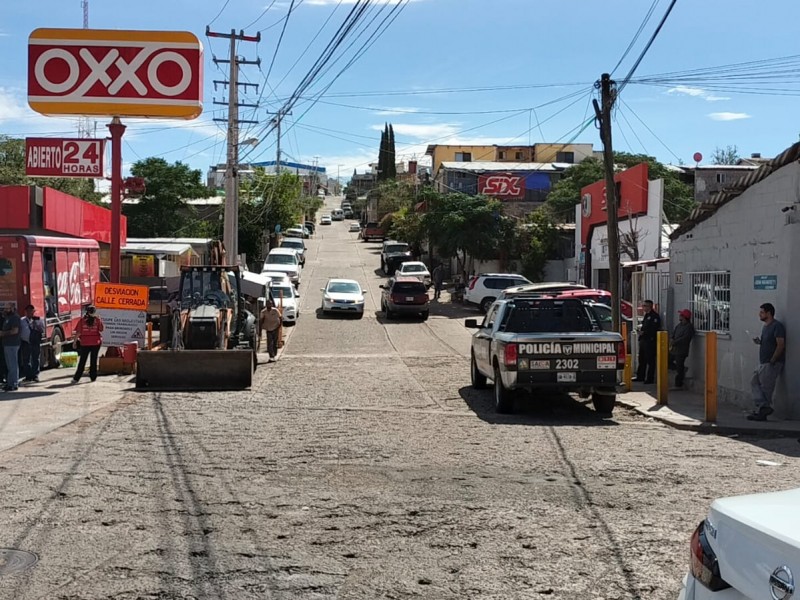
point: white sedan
(355, 227)
(747, 548)
(343, 296)
(287, 299)
(416, 269)
(325, 220)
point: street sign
(123, 326)
(765, 282)
(121, 296)
(115, 73)
(54, 157)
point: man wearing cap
(679, 344)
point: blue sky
(538, 60)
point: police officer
(651, 325)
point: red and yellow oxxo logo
(115, 73)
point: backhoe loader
(208, 342)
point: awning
(639, 263)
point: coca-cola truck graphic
(54, 274)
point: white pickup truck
(545, 344)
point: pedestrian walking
(771, 358)
(651, 325)
(31, 333)
(270, 320)
(438, 281)
(9, 334)
(89, 337)
(681, 339)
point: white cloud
(696, 92)
(728, 116)
(11, 107)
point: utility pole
(231, 223)
(277, 119)
(608, 94)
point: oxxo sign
(45, 157)
(115, 73)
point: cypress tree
(392, 166)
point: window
(502, 154)
(720, 177)
(488, 322)
(710, 300)
(565, 157)
(519, 155)
(463, 156)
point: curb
(710, 428)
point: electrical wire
(221, 10)
(280, 39)
(261, 16)
(647, 47)
(633, 112)
(636, 35)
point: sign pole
(117, 129)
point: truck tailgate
(568, 361)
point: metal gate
(649, 285)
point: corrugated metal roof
(485, 165)
(151, 248)
(736, 189)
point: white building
(737, 251)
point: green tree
(460, 225)
(161, 211)
(12, 172)
(678, 196)
(266, 202)
(539, 235)
(725, 156)
(391, 165)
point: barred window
(710, 300)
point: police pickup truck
(545, 344)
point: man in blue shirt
(771, 358)
(9, 335)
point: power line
(221, 10)
(646, 48)
(650, 130)
(636, 35)
(261, 16)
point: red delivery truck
(56, 275)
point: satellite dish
(697, 157)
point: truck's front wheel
(478, 379)
(503, 402)
(604, 403)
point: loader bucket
(189, 370)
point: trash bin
(129, 351)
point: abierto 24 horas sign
(156, 74)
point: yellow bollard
(662, 373)
(149, 335)
(711, 377)
(627, 373)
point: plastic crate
(69, 359)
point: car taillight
(621, 355)
(422, 298)
(510, 355)
(703, 561)
(472, 283)
(397, 297)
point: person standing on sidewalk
(679, 344)
(438, 281)
(31, 332)
(89, 336)
(11, 343)
(771, 358)
(648, 336)
(270, 320)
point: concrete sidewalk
(39, 408)
(686, 410)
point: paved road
(362, 466)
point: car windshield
(343, 287)
(286, 290)
(408, 287)
(414, 268)
(602, 313)
(282, 259)
(547, 316)
(292, 244)
(392, 248)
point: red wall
(633, 184)
(15, 207)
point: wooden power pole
(608, 93)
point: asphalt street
(361, 466)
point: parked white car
(748, 548)
(296, 243)
(325, 220)
(343, 296)
(284, 260)
(355, 227)
(287, 299)
(484, 289)
(415, 269)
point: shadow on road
(333, 316)
(398, 319)
(26, 394)
(543, 409)
(454, 310)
